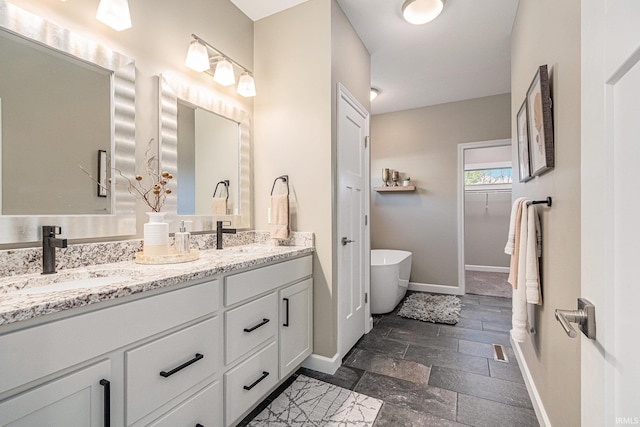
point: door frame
(365, 245)
(460, 290)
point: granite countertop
(24, 297)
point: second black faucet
(220, 231)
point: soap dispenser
(183, 239)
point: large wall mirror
(205, 144)
(65, 102)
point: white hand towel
(532, 279)
(279, 226)
(519, 318)
(511, 237)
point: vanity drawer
(205, 408)
(161, 370)
(249, 325)
(258, 374)
(243, 286)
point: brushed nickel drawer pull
(166, 374)
(264, 322)
(265, 374)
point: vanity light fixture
(202, 53)
(374, 93)
(114, 13)
(420, 12)
(197, 57)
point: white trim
(460, 289)
(322, 363)
(436, 289)
(536, 401)
(486, 268)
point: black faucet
(220, 230)
(49, 244)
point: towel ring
(285, 179)
(226, 186)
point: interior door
(610, 203)
(353, 237)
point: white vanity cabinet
(268, 331)
(54, 373)
(78, 399)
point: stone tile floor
(436, 375)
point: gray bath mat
(312, 403)
(431, 308)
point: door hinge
(366, 297)
(366, 141)
(366, 220)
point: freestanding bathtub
(390, 271)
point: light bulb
(374, 93)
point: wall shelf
(395, 189)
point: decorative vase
(156, 235)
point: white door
(610, 205)
(353, 236)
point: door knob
(584, 317)
(345, 241)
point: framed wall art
(540, 123)
(524, 164)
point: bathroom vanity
(196, 344)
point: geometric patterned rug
(309, 402)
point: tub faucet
(49, 244)
(220, 230)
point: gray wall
(486, 227)
(548, 32)
(299, 54)
(423, 144)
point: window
(494, 176)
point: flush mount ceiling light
(114, 13)
(201, 54)
(197, 57)
(374, 93)
(420, 12)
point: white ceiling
(462, 54)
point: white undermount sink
(65, 282)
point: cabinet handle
(107, 401)
(265, 374)
(264, 322)
(286, 313)
(166, 374)
(199, 425)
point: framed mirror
(206, 145)
(67, 103)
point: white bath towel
(534, 251)
(518, 207)
(519, 318)
(511, 237)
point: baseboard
(436, 289)
(487, 268)
(323, 364)
(536, 401)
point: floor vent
(499, 354)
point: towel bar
(226, 186)
(285, 179)
(547, 202)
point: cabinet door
(296, 336)
(77, 399)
